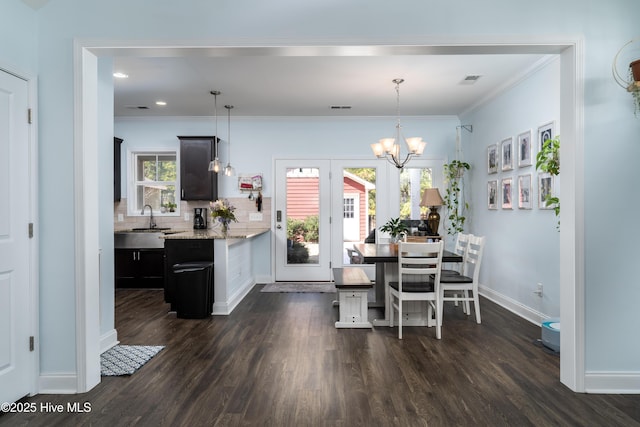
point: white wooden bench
(352, 286)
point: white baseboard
(58, 384)
(225, 308)
(612, 382)
(108, 340)
(512, 305)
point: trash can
(194, 290)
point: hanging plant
(548, 161)
(453, 174)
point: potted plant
(548, 160)
(453, 174)
(396, 229)
(170, 206)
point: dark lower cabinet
(179, 251)
(139, 268)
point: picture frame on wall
(492, 158)
(507, 189)
(545, 187)
(524, 192)
(507, 154)
(524, 149)
(492, 194)
(546, 131)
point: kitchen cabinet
(179, 251)
(139, 268)
(197, 182)
(117, 168)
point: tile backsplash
(244, 207)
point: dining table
(385, 258)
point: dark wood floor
(277, 360)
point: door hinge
(29, 116)
(32, 343)
(31, 230)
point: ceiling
(258, 84)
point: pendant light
(228, 170)
(389, 148)
(215, 164)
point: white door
(302, 220)
(15, 359)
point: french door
(302, 220)
(322, 208)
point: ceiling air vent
(137, 107)
(340, 107)
(470, 79)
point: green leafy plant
(453, 174)
(548, 161)
(396, 228)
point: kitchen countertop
(234, 233)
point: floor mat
(126, 359)
(318, 287)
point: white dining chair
(419, 266)
(464, 287)
(460, 248)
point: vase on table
(225, 228)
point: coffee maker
(199, 218)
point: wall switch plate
(255, 216)
(120, 217)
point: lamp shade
(431, 197)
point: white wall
(610, 130)
(522, 245)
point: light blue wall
(522, 245)
(258, 140)
(611, 131)
(18, 37)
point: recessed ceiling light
(120, 75)
(161, 103)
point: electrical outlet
(120, 217)
(187, 217)
(538, 290)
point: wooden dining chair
(419, 267)
(457, 287)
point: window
(413, 182)
(348, 209)
(154, 183)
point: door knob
(278, 226)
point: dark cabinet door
(197, 182)
(117, 169)
(139, 268)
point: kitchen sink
(139, 240)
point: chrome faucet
(152, 224)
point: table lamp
(431, 199)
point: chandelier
(389, 148)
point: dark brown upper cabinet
(197, 182)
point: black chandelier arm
(394, 160)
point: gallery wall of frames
(513, 179)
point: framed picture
(524, 149)
(507, 154)
(524, 192)
(492, 194)
(492, 158)
(546, 131)
(507, 184)
(545, 187)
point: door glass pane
(413, 182)
(359, 209)
(303, 208)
